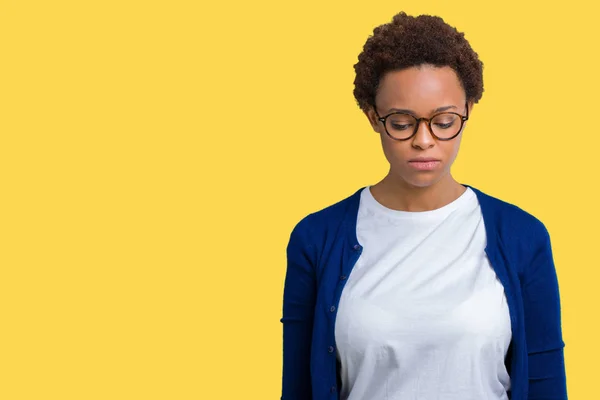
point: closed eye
(401, 127)
(445, 126)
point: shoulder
(509, 218)
(325, 225)
(521, 234)
(330, 216)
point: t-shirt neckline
(440, 212)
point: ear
(373, 121)
(470, 105)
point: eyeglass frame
(463, 119)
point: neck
(399, 195)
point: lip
(423, 159)
(424, 164)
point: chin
(422, 180)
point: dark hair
(409, 41)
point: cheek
(390, 149)
(395, 152)
(454, 147)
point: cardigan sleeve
(541, 301)
(298, 310)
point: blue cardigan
(322, 250)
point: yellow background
(155, 156)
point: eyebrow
(406, 111)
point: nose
(423, 139)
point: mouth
(423, 159)
(424, 164)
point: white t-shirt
(423, 315)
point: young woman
(419, 287)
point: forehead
(420, 88)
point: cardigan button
(333, 389)
(342, 277)
(356, 247)
(330, 349)
(332, 309)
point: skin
(421, 89)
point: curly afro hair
(409, 41)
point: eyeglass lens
(444, 125)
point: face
(423, 91)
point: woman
(419, 287)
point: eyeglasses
(443, 126)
